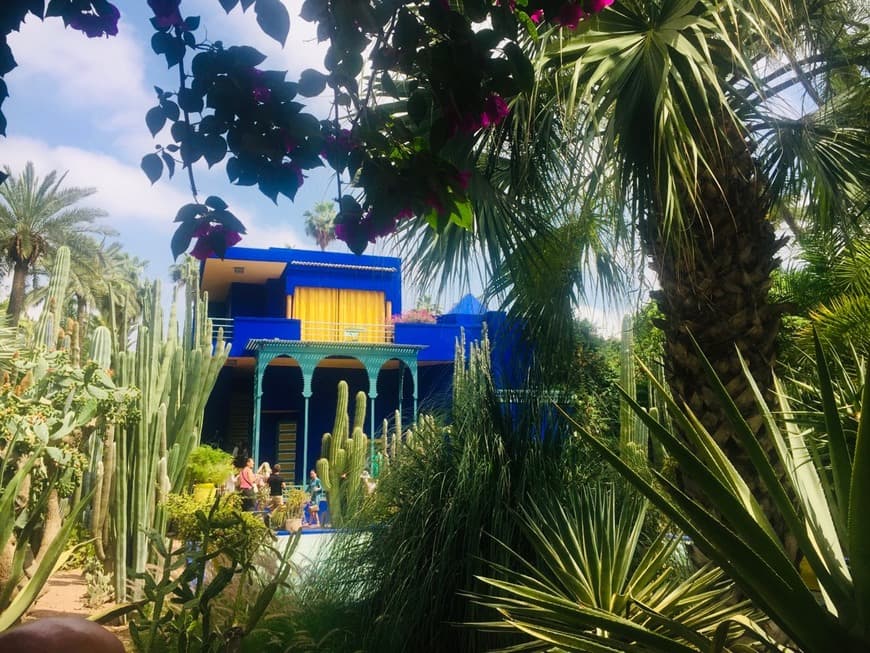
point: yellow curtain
(317, 308)
(361, 313)
(332, 315)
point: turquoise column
(306, 396)
(307, 365)
(372, 435)
(258, 396)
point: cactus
(101, 347)
(344, 458)
(49, 319)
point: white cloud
(102, 80)
(122, 189)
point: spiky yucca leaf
(587, 593)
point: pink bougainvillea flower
(404, 214)
(166, 12)
(596, 6)
(434, 202)
(494, 110)
(536, 16)
(206, 233)
(97, 24)
(262, 93)
(570, 15)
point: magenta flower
(494, 110)
(166, 12)
(462, 178)
(206, 233)
(536, 16)
(95, 25)
(287, 140)
(596, 6)
(570, 15)
(404, 214)
(262, 93)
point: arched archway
(372, 356)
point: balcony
(439, 339)
(346, 332)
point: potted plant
(206, 468)
(294, 504)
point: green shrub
(231, 527)
(209, 465)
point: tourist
(315, 490)
(248, 485)
(276, 488)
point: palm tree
(105, 284)
(319, 223)
(37, 216)
(683, 112)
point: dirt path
(63, 595)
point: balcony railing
(225, 323)
(347, 332)
(250, 327)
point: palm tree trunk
(16, 297)
(718, 293)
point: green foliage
(229, 527)
(176, 367)
(821, 495)
(210, 598)
(208, 465)
(445, 502)
(592, 585)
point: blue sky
(78, 105)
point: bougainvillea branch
(436, 74)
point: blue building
(301, 321)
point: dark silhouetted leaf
(273, 19)
(228, 220)
(216, 203)
(181, 237)
(191, 23)
(245, 56)
(170, 109)
(311, 83)
(228, 5)
(190, 212)
(214, 147)
(169, 162)
(189, 101)
(152, 166)
(155, 119)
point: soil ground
(63, 596)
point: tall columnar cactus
(101, 347)
(175, 373)
(344, 458)
(50, 318)
(633, 435)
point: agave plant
(820, 486)
(586, 592)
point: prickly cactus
(343, 458)
(101, 347)
(49, 319)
